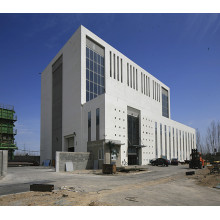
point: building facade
(93, 98)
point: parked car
(174, 161)
(152, 160)
(160, 161)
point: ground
(157, 186)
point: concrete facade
(129, 90)
(3, 162)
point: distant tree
(199, 141)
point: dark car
(160, 161)
(174, 161)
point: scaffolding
(7, 131)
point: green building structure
(7, 131)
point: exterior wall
(71, 110)
(81, 160)
(3, 162)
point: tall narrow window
(159, 93)
(183, 147)
(181, 150)
(169, 142)
(128, 74)
(161, 141)
(110, 63)
(153, 89)
(173, 143)
(146, 86)
(177, 151)
(131, 76)
(117, 68)
(89, 126)
(165, 103)
(156, 150)
(142, 82)
(114, 65)
(97, 123)
(186, 146)
(136, 80)
(165, 136)
(155, 93)
(121, 72)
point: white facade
(135, 91)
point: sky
(181, 50)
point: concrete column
(3, 162)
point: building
(93, 98)
(7, 131)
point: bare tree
(211, 137)
(198, 141)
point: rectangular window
(144, 84)
(89, 126)
(155, 93)
(110, 63)
(165, 103)
(170, 142)
(121, 72)
(97, 123)
(114, 64)
(117, 68)
(161, 141)
(165, 136)
(183, 147)
(149, 86)
(156, 150)
(101, 153)
(136, 80)
(131, 76)
(95, 73)
(153, 89)
(159, 93)
(128, 74)
(173, 143)
(177, 151)
(186, 146)
(181, 151)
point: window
(97, 123)
(181, 151)
(128, 74)
(165, 136)
(121, 72)
(110, 64)
(95, 74)
(117, 68)
(173, 143)
(183, 147)
(159, 93)
(142, 82)
(114, 64)
(144, 85)
(169, 142)
(148, 86)
(177, 152)
(156, 150)
(136, 80)
(165, 103)
(89, 126)
(153, 89)
(101, 153)
(161, 141)
(131, 76)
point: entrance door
(133, 139)
(70, 144)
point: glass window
(95, 74)
(128, 74)
(110, 63)
(165, 103)
(121, 71)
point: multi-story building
(93, 98)
(7, 131)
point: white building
(93, 98)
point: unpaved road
(159, 186)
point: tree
(198, 141)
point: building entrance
(133, 139)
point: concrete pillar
(3, 162)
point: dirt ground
(204, 178)
(70, 196)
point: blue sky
(181, 50)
